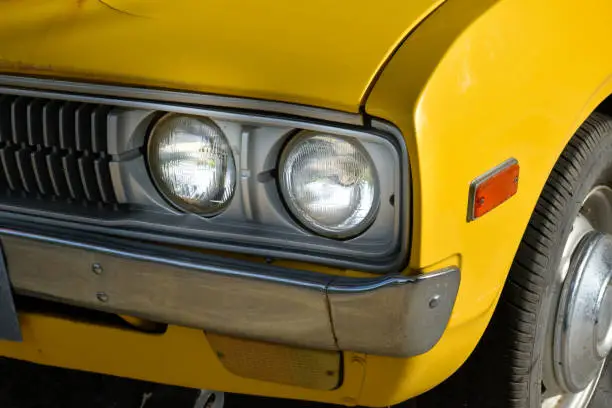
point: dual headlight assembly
(328, 182)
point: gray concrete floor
(25, 385)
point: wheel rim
(210, 399)
(579, 334)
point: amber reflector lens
(493, 188)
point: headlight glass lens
(329, 183)
(192, 163)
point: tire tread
(538, 241)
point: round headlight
(192, 163)
(329, 183)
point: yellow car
(327, 201)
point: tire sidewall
(595, 170)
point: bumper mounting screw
(102, 297)
(434, 302)
(96, 268)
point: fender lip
(392, 315)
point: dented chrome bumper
(392, 315)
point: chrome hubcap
(582, 328)
(579, 337)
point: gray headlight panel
(257, 217)
(256, 221)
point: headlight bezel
(275, 233)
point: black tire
(505, 370)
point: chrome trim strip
(392, 315)
(191, 98)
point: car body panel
(313, 53)
(476, 83)
(489, 81)
(180, 356)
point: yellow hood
(315, 52)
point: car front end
(232, 197)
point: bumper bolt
(102, 297)
(434, 302)
(96, 268)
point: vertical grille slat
(6, 129)
(73, 177)
(67, 125)
(41, 172)
(19, 123)
(24, 164)
(105, 184)
(51, 148)
(88, 178)
(83, 127)
(99, 128)
(9, 165)
(56, 174)
(51, 124)
(35, 122)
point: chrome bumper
(391, 315)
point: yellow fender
(479, 82)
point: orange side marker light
(493, 188)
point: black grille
(56, 149)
